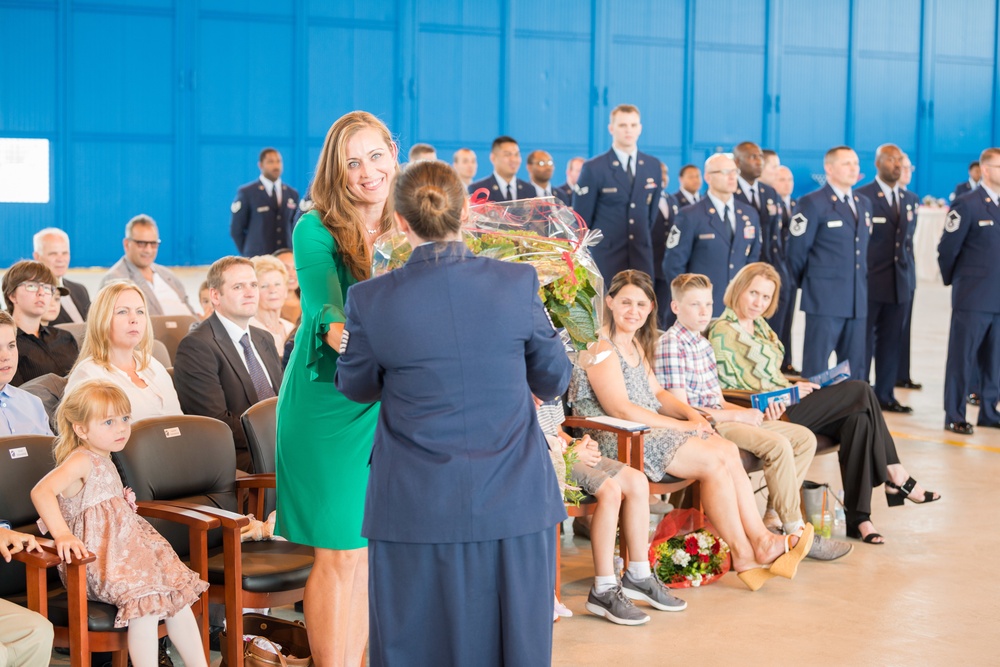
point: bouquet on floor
(541, 232)
(685, 551)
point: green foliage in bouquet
(694, 558)
(571, 494)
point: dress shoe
(962, 428)
(989, 425)
(909, 384)
(895, 406)
(972, 399)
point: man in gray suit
(165, 294)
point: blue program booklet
(835, 375)
(762, 401)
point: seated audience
(272, 285)
(225, 365)
(206, 303)
(20, 412)
(25, 637)
(51, 248)
(680, 441)
(292, 310)
(55, 305)
(618, 489)
(163, 291)
(28, 288)
(685, 366)
(118, 347)
(749, 357)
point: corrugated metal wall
(160, 106)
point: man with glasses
(27, 289)
(967, 255)
(716, 237)
(619, 193)
(503, 184)
(828, 257)
(540, 168)
(165, 294)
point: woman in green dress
(324, 439)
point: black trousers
(849, 413)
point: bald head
(889, 163)
(784, 182)
(720, 174)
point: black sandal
(902, 493)
(855, 532)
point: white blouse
(159, 398)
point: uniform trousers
(25, 637)
(974, 337)
(850, 414)
(885, 335)
(787, 450)
(781, 321)
(903, 374)
(466, 603)
(826, 334)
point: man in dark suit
(784, 184)
(573, 168)
(51, 248)
(540, 167)
(890, 256)
(503, 184)
(975, 174)
(716, 237)
(690, 182)
(619, 194)
(827, 255)
(967, 256)
(264, 209)
(224, 366)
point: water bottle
(840, 518)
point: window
(24, 171)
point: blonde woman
(118, 347)
(272, 281)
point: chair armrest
(41, 561)
(263, 480)
(588, 422)
(177, 514)
(228, 520)
(36, 565)
(739, 397)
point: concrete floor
(925, 598)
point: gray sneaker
(828, 549)
(614, 606)
(652, 591)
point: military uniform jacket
(624, 211)
(699, 242)
(828, 254)
(772, 249)
(969, 253)
(661, 228)
(565, 193)
(525, 190)
(683, 201)
(890, 248)
(259, 225)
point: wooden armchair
(260, 424)
(82, 626)
(190, 461)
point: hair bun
(432, 200)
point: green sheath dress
(324, 440)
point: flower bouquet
(686, 559)
(541, 232)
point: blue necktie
(257, 375)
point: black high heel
(854, 530)
(903, 492)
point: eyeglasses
(32, 287)
(146, 244)
(991, 166)
(544, 163)
(724, 172)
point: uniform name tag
(706, 236)
(985, 223)
(609, 190)
(878, 220)
(749, 232)
(650, 186)
(835, 223)
(261, 209)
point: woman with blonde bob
(749, 357)
(324, 439)
(272, 281)
(118, 347)
(680, 441)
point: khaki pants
(787, 450)
(25, 637)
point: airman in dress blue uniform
(903, 379)
(666, 213)
(573, 168)
(969, 184)
(828, 257)
(784, 184)
(967, 256)
(503, 184)
(716, 237)
(619, 193)
(690, 182)
(890, 257)
(264, 210)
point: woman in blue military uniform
(461, 497)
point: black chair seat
(100, 616)
(669, 479)
(750, 462)
(268, 566)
